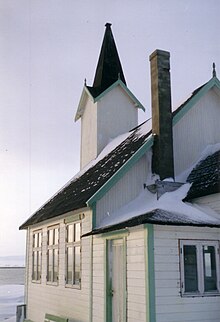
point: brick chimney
(162, 162)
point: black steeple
(109, 68)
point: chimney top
(159, 52)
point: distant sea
(12, 275)
(12, 278)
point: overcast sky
(47, 48)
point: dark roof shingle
(76, 193)
(205, 177)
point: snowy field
(12, 273)
(10, 297)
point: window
(73, 254)
(199, 267)
(52, 254)
(36, 256)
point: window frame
(200, 267)
(38, 251)
(73, 245)
(52, 248)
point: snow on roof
(209, 150)
(171, 202)
(87, 182)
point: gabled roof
(87, 92)
(92, 184)
(205, 177)
(194, 98)
(109, 68)
(78, 191)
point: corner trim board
(150, 273)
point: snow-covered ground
(10, 297)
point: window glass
(70, 233)
(39, 239)
(69, 265)
(53, 253)
(77, 265)
(210, 276)
(190, 268)
(73, 258)
(36, 256)
(55, 265)
(50, 233)
(56, 236)
(77, 232)
(49, 265)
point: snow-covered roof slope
(205, 176)
(86, 183)
(168, 210)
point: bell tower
(107, 108)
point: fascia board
(214, 82)
(137, 103)
(81, 106)
(121, 172)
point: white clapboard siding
(197, 129)
(135, 275)
(116, 115)
(212, 201)
(170, 306)
(125, 190)
(88, 133)
(57, 299)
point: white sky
(47, 48)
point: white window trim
(74, 244)
(200, 268)
(52, 247)
(37, 249)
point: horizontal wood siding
(170, 306)
(135, 272)
(57, 299)
(125, 190)
(198, 128)
(212, 201)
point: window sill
(36, 282)
(52, 283)
(208, 294)
(77, 287)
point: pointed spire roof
(109, 68)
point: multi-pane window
(73, 250)
(36, 255)
(52, 254)
(199, 267)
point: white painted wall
(59, 300)
(212, 201)
(112, 115)
(125, 190)
(197, 128)
(116, 115)
(135, 272)
(170, 306)
(88, 133)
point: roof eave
(81, 106)
(136, 102)
(213, 82)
